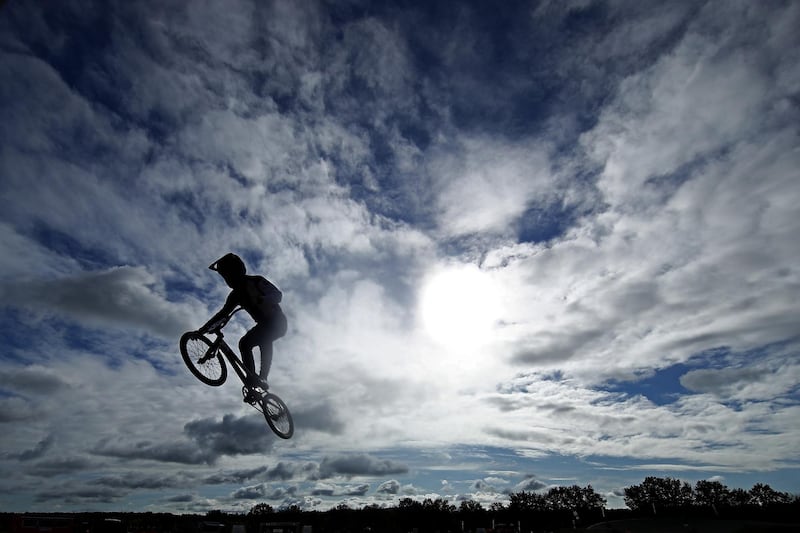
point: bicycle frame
(219, 344)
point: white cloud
(484, 185)
(264, 148)
(389, 487)
(744, 383)
(126, 296)
(695, 249)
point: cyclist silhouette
(261, 299)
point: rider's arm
(227, 309)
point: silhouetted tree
(526, 501)
(261, 509)
(573, 498)
(408, 504)
(438, 505)
(472, 515)
(764, 495)
(636, 498)
(658, 493)
(436, 513)
(711, 493)
(470, 507)
(293, 509)
(738, 498)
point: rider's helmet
(229, 266)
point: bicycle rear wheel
(210, 370)
(277, 415)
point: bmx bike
(204, 358)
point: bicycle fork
(211, 352)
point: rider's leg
(250, 340)
(266, 359)
(277, 329)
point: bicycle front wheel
(278, 416)
(210, 370)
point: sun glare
(459, 307)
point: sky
(520, 245)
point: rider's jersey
(260, 298)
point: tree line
(669, 493)
(652, 495)
(558, 507)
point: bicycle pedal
(252, 400)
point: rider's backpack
(262, 294)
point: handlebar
(221, 323)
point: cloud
(230, 436)
(210, 439)
(621, 425)
(359, 465)
(125, 296)
(24, 257)
(258, 148)
(521, 435)
(480, 485)
(37, 451)
(530, 484)
(638, 271)
(391, 486)
(173, 452)
(486, 186)
(356, 490)
(249, 493)
(59, 466)
(743, 383)
(264, 491)
(138, 480)
(284, 470)
(226, 477)
(181, 498)
(320, 417)
(556, 347)
(32, 379)
(80, 495)
(329, 489)
(16, 409)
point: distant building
(284, 527)
(42, 524)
